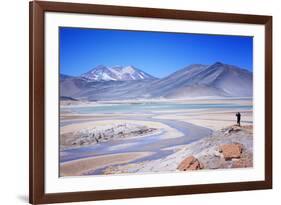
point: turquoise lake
(148, 107)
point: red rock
(190, 163)
(242, 164)
(231, 151)
(245, 161)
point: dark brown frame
(37, 194)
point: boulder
(190, 163)
(212, 161)
(231, 151)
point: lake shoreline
(179, 128)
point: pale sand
(212, 119)
(83, 166)
(169, 132)
(122, 146)
(76, 116)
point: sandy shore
(214, 119)
(84, 125)
(83, 166)
(67, 133)
(159, 151)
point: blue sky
(156, 53)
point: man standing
(238, 116)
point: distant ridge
(195, 80)
(202, 80)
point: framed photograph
(138, 102)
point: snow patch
(105, 76)
(141, 76)
(115, 73)
(129, 70)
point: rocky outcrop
(231, 151)
(190, 163)
(105, 133)
(230, 147)
(237, 154)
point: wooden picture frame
(37, 150)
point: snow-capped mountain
(195, 80)
(116, 73)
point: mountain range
(115, 73)
(196, 80)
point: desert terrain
(147, 136)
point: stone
(242, 164)
(231, 151)
(190, 163)
(212, 161)
(245, 161)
